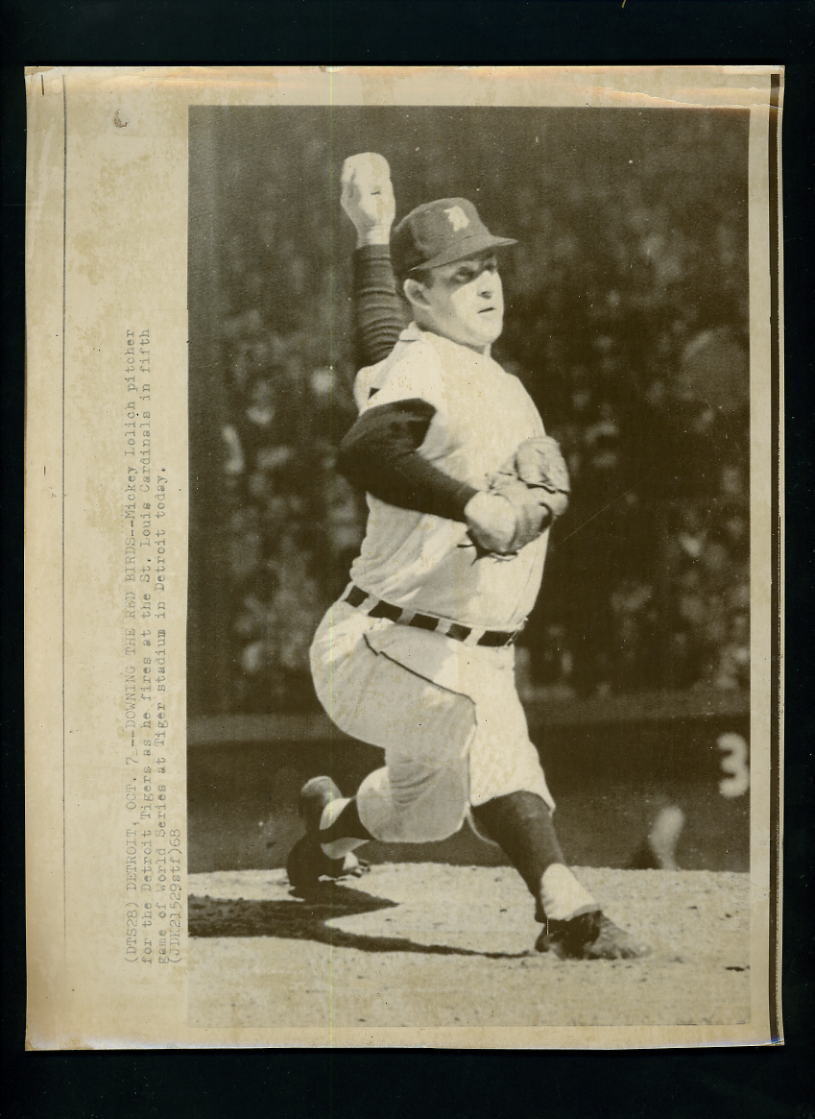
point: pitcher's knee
(430, 803)
(443, 823)
(427, 819)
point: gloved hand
(502, 521)
(539, 465)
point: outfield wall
(612, 764)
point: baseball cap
(440, 232)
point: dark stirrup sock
(521, 823)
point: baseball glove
(539, 465)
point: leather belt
(376, 608)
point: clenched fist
(367, 197)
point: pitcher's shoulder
(412, 369)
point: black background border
(763, 1082)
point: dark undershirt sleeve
(380, 455)
(377, 309)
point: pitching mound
(426, 944)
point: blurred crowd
(627, 322)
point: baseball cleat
(307, 863)
(591, 936)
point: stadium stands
(627, 321)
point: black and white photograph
(469, 630)
(403, 557)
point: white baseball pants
(446, 714)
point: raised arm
(367, 199)
(381, 452)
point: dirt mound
(425, 944)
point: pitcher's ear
(415, 292)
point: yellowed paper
(147, 931)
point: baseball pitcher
(462, 486)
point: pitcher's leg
(419, 796)
(405, 802)
(522, 825)
(421, 793)
(574, 925)
(416, 800)
(512, 805)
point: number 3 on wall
(734, 765)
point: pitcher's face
(465, 301)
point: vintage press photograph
(468, 662)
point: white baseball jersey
(427, 563)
